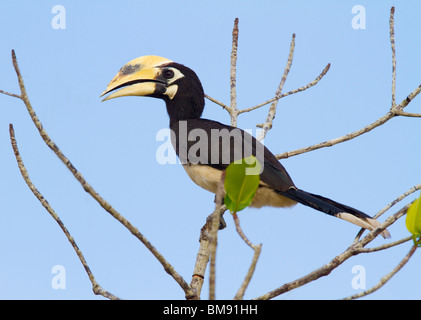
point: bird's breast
(204, 176)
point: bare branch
(344, 138)
(232, 109)
(11, 94)
(398, 199)
(240, 231)
(202, 258)
(218, 102)
(89, 189)
(395, 110)
(409, 98)
(354, 249)
(390, 205)
(252, 268)
(387, 277)
(386, 245)
(241, 291)
(233, 74)
(272, 110)
(256, 248)
(392, 44)
(391, 114)
(407, 114)
(95, 286)
(309, 85)
(316, 274)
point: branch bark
(233, 74)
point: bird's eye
(168, 74)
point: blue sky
(114, 145)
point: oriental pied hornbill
(205, 158)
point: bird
(207, 147)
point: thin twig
(387, 277)
(241, 291)
(272, 110)
(325, 270)
(240, 231)
(392, 45)
(398, 199)
(218, 103)
(407, 114)
(344, 138)
(233, 74)
(97, 289)
(391, 114)
(390, 205)
(395, 110)
(386, 245)
(11, 94)
(309, 85)
(89, 189)
(256, 248)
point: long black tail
(335, 209)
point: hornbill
(206, 147)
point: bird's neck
(184, 109)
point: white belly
(208, 178)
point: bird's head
(158, 77)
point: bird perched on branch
(207, 147)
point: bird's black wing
(207, 142)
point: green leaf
(413, 221)
(242, 179)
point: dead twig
(233, 74)
(257, 249)
(97, 289)
(267, 125)
(392, 45)
(218, 102)
(307, 86)
(387, 277)
(390, 205)
(395, 110)
(325, 270)
(89, 189)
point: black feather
(322, 204)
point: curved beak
(139, 77)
